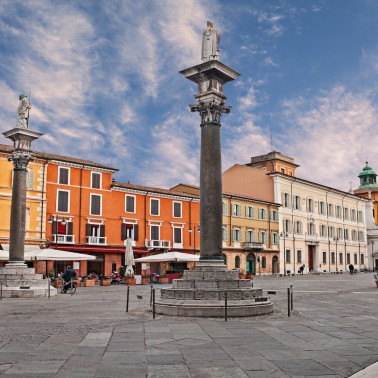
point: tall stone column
(210, 76)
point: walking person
(301, 269)
(351, 268)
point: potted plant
(77, 281)
(105, 281)
(249, 276)
(89, 281)
(146, 280)
(163, 280)
(242, 275)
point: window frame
(130, 196)
(68, 175)
(100, 184)
(68, 200)
(158, 206)
(173, 209)
(91, 202)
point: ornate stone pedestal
(19, 281)
(201, 292)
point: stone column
(210, 77)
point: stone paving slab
(324, 337)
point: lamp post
(372, 252)
(336, 239)
(63, 222)
(194, 235)
(284, 235)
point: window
(236, 235)
(262, 214)
(177, 235)
(250, 236)
(330, 209)
(282, 170)
(346, 213)
(323, 230)
(339, 232)
(299, 256)
(297, 202)
(96, 204)
(331, 231)
(274, 215)
(130, 204)
(225, 234)
(263, 262)
(310, 205)
(346, 234)
(237, 262)
(322, 208)
(348, 258)
(340, 257)
(288, 256)
(236, 210)
(96, 180)
(274, 238)
(285, 199)
(263, 237)
(63, 201)
(155, 232)
(30, 180)
(361, 236)
(249, 212)
(311, 229)
(353, 215)
(129, 230)
(154, 206)
(177, 209)
(225, 208)
(95, 233)
(324, 257)
(359, 216)
(332, 257)
(64, 176)
(298, 227)
(354, 235)
(287, 226)
(338, 211)
(362, 259)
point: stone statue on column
(210, 42)
(23, 112)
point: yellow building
(250, 232)
(35, 199)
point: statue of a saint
(23, 112)
(210, 42)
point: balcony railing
(158, 244)
(64, 239)
(253, 245)
(178, 245)
(97, 240)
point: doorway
(251, 263)
(311, 251)
(275, 265)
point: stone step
(19, 270)
(19, 283)
(206, 294)
(211, 284)
(5, 277)
(197, 274)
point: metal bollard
(153, 303)
(48, 288)
(288, 302)
(291, 297)
(71, 283)
(1, 290)
(152, 288)
(225, 305)
(127, 298)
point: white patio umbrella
(56, 255)
(170, 256)
(129, 258)
(4, 255)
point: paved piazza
(332, 332)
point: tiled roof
(43, 155)
(152, 189)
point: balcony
(64, 239)
(249, 246)
(159, 244)
(96, 240)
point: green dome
(367, 177)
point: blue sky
(105, 86)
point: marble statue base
(19, 281)
(201, 292)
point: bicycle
(71, 288)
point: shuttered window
(177, 210)
(96, 180)
(130, 204)
(30, 181)
(177, 235)
(154, 206)
(63, 201)
(95, 204)
(64, 174)
(155, 233)
(129, 230)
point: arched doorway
(237, 262)
(251, 263)
(275, 265)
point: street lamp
(336, 239)
(194, 235)
(51, 221)
(372, 252)
(284, 235)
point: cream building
(320, 227)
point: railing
(177, 245)
(158, 244)
(96, 240)
(64, 239)
(253, 245)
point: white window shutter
(239, 208)
(30, 183)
